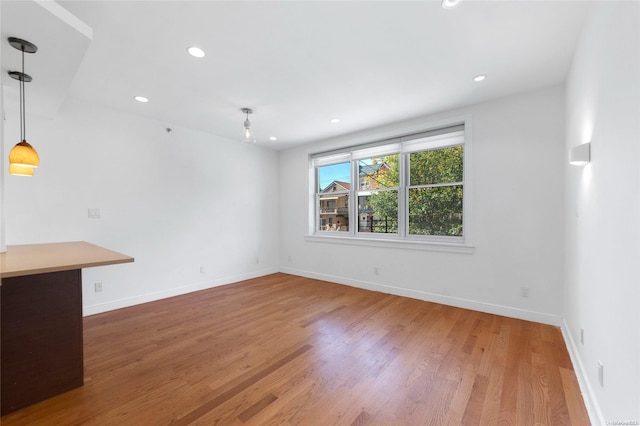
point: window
(435, 191)
(378, 194)
(410, 188)
(332, 196)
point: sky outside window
(340, 172)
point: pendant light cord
(23, 116)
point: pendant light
(20, 170)
(23, 158)
(247, 134)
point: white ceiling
(62, 42)
(299, 64)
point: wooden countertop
(42, 258)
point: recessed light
(141, 99)
(273, 138)
(335, 120)
(450, 4)
(196, 51)
(479, 77)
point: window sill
(389, 243)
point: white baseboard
(590, 401)
(176, 291)
(489, 308)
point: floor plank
(283, 349)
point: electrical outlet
(289, 258)
(601, 373)
(257, 260)
(98, 287)
(376, 271)
(525, 291)
(202, 270)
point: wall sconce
(580, 155)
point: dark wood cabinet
(41, 326)
(41, 319)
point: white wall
(174, 201)
(2, 172)
(2, 167)
(518, 158)
(603, 210)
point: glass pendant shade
(23, 155)
(247, 134)
(20, 170)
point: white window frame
(412, 141)
(428, 144)
(328, 161)
(366, 154)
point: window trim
(410, 136)
(391, 149)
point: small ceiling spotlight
(273, 138)
(141, 99)
(247, 133)
(335, 120)
(450, 4)
(479, 77)
(196, 52)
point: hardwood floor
(289, 350)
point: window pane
(435, 211)
(436, 166)
(338, 174)
(334, 212)
(378, 212)
(379, 172)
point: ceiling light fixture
(196, 52)
(23, 158)
(450, 4)
(273, 138)
(479, 77)
(335, 120)
(141, 99)
(247, 134)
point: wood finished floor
(289, 350)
